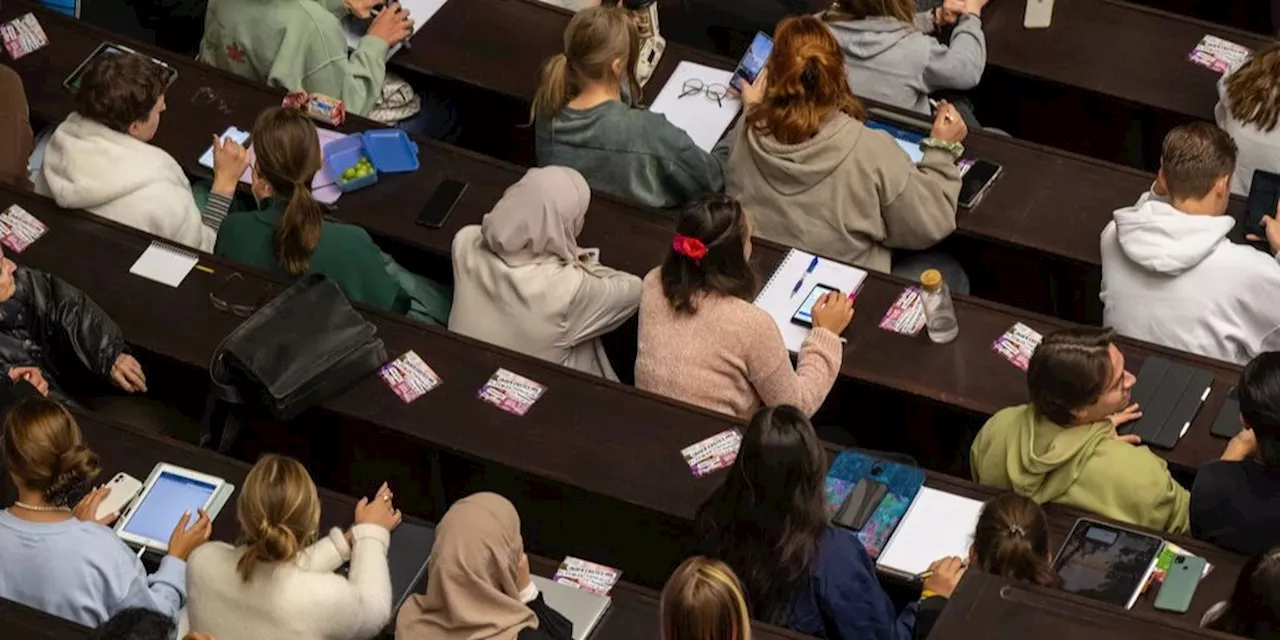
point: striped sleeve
(215, 209)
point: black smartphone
(804, 315)
(975, 182)
(441, 204)
(1264, 194)
(861, 503)
(1227, 424)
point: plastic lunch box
(388, 150)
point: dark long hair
(719, 223)
(766, 519)
(1012, 540)
(1254, 608)
(288, 157)
(1259, 394)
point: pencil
(204, 268)
(923, 575)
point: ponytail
(274, 543)
(1011, 540)
(594, 39)
(288, 157)
(553, 93)
(75, 470)
(299, 232)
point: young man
(1169, 274)
(1063, 447)
(100, 158)
(1235, 502)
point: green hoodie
(296, 45)
(1080, 466)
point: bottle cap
(931, 279)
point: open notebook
(937, 524)
(780, 298)
(420, 11)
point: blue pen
(812, 265)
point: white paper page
(164, 264)
(420, 11)
(699, 116)
(936, 525)
(777, 299)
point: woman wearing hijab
(522, 282)
(478, 584)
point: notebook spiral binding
(177, 251)
(782, 266)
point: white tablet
(169, 491)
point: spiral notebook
(782, 298)
(165, 264)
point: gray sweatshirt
(900, 64)
(631, 153)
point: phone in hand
(753, 61)
(1180, 582)
(1039, 14)
(804, 315)
(124, 488)
(441, 204)
(977, 179)
(1264, 195)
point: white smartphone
(1039, 14)
(124, 488)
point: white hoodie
(90, 166)
(1174, 279)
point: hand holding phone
(753, 61)
(123, 488)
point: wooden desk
(1254, 16)
(24, 623)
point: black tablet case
(1169, 395)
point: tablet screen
(907, 139)
(164, 504)
(1105, 563)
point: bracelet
(954, 148)
(926, 594)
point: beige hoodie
(848, 193)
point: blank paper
(938, 524)
(164, 264)
(699, 116)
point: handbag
(303, 347)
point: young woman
(521, 280)
(584, 119)
(767, 521)
(289, 233)
(1254, 608)
(815, 178)
(57, 556)
(703, 600)
(478, 583)
(892, 56)
(1249, 109)
(15, 129)
(279, 582)
(1011, 541)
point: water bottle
(939, 312)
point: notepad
(165, 264)
(702, 118)
(420, 11)
(777, 299)
(938, 524)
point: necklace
(45, 508)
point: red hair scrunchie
(689, 247)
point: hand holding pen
(942, 576)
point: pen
(923, 575)
(813, 264)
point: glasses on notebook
(239, 310)
(714, 92)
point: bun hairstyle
(703, 601)
(1012, 541)
(287, 157)
(44, 451)
(594, 38)
(719, 224)
(807, 82)
(278, 511)
(901, 10)
(1253, 91)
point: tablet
(169, 491)
(908, 139)
(1106, 562)
(72, 83)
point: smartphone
(977, 179)
(1227, 424)
(753, 60)
(441, 204)
(1180, 583)
(72, 83)
(1039, 14)
(804, 315)
(1264, 194)
(861, 503)
(232, 133)
(124, 488)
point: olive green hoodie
(1079, 466)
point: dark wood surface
(21, 622)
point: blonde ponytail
(553, 92)
(279, 512)
(594, 39)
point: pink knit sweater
(729, 356)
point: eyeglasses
(715, 92)
(239, 310)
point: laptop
(583, 608)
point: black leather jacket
(55, 326)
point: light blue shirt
(82, 572)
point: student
(1248, 110)
(1011, 540)
(815, 178)
(136, 624)
(1169, 274)
(701, 339)
(279, 581)
(1235, 501)
(57, 556)
(289, 234)
(522, 282)
(892, 56)
(1063, 448)
(478, 583)
(15, 129)
(585, 121)
(703, 600)
(768, 522)
(101, 158)
(1254, 608)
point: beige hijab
(540, 217)
(471, 577)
